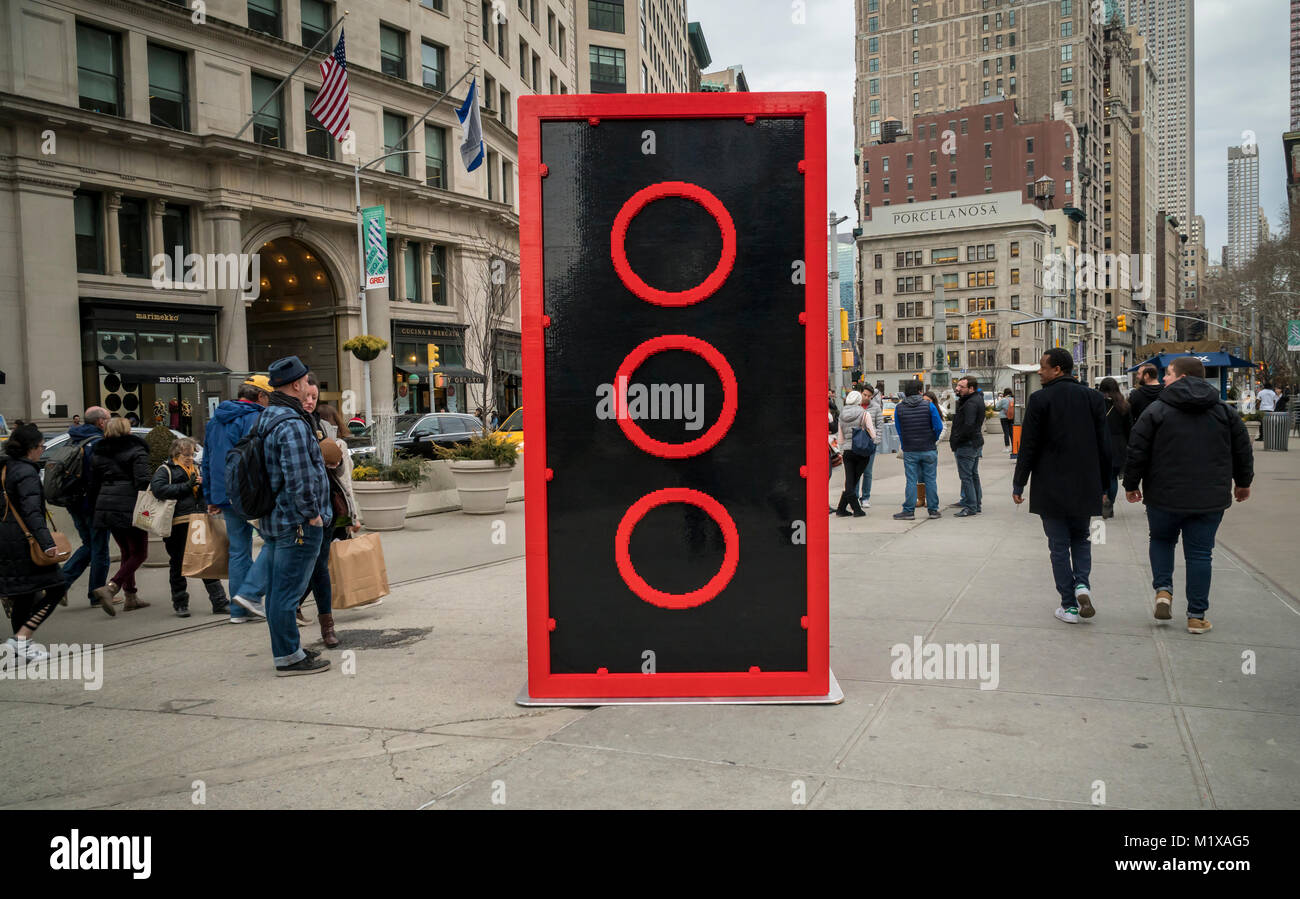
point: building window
(873, 45)
(1015, 249)
(435, 156)
(264, 16)
(439, 5)
(507, 182)
(560, 41)
(523, 62)
(1015, 301)
(392, 51)
(268, 125)
(394, 128)
(880, 288)
(433, 65)
(315, 21)
(605, 15)
(1029, 168)
(873, 24)
(988, 173)
(1015, 276)
(505, 107)
(485, 18)
(99, 70)
(168, 97)
(89, 234)
(133, 230)
(319, 141)
(1067, 29)
(437, 274)
(411, 268)
(1067, 97)
(608, 70)
(988, 151)
(873, 86)
(1067, 75)
(1015, 355)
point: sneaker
(839, 514)
(257, 608)
(311, 653)
(1198, 625)
(1069, 616)
(935, 513)
(864, 504)
(302, 666)
(242, 619)
(26, 649)
(1084, 600)
(859, 514)
(955, 506)
(1164, 604)
(965, 513)
(182, 610)
(905, 516)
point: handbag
(863, 445)
(207, 548)
(358, 575)
(62, 546)
(153, 514)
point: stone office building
(118, 124)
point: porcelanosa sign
(945, 215)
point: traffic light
(1121, 322)
(979, 329)
(433, 356)
(1166, 323)
(880, 329)
(846, 359)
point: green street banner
(1293, 335)
(374, 231)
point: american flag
(331, 105)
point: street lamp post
(833, 302)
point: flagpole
(357, 167)
(281, 85)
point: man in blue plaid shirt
(294, 529)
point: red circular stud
(593, 121)
(749, 120)
(730, 396)
(803, 622)
(644, 197)
(803, 318)
(546, 321)
(803, 472)
(602, 671)
(754, 669)
(543, 170)
(662, 497)
(550, 624)
(803, 166)
(550, 474)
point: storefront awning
(153, 371)
(451, 374)
(1209, 360)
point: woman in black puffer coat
(179, 479)
(32, 590)
(119, 471)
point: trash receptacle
(1276, 430)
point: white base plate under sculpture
(833, 697)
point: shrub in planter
(382, 491)
(481, 469)
(159, 439)
(366, 347)
(404, 470)
(481, 449)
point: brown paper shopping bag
(358, 575)
(207, 549)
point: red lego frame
(533, 111)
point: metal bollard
(1276, 431)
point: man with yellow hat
(232, 420)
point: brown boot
(104, 595)
(327, 635)
(133, 602)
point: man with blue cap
(295, 527)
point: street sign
(1293, 335)
(676, 468)
(375, 234)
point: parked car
(55, 442)
(417, 434)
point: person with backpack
(68, 484)
(858, 442)
(1185, 455)
(230, 423)
(279, 464)
(120, 471)
(179, 479)
(33, 589)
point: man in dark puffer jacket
(1187, 450)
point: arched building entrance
(293, 314)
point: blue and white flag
(471, 149)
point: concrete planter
(482, 485)
(382, 504)
(157, 553)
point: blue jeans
(1067, 539)
(1198, 532)
(291, 565)
(92, 552)
(248, 578)
(319, 586)
(922, 466)
(864, 493)
(968, 469)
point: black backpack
(65, 473)
(248, 482)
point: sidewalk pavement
(1121, 709)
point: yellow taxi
(512, 429)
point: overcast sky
(1242, 83)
